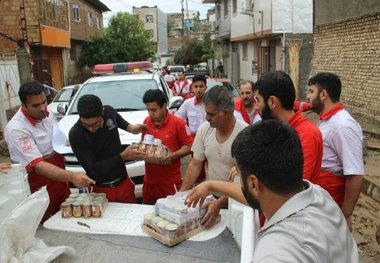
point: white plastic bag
(18, 229)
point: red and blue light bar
(122, 67)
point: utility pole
(183, 23)
(187, 19)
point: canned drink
(160, 151)
(77, 209)
(171, 230)
(96, 209)
(148, 218)
(86, 209)
(162, 226)
(150, 149)
(67, 210)
(73, 195)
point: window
(76, 12)
(218, 12)
(149, 19)
(234, 6)
(244, 51)
(98, 22)
(89, 18)
(225, 7)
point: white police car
(121, 86)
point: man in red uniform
(182, 87)
(29, 136)
(275, 100)
(245, 106)
(163, 179)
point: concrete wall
(327, 11)
(162, 33)
(351, 50)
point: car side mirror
(175, 102)
(61, 109)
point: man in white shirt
(213, 142)
(193, 110)
(342, 161)
(303, 223)
(29, 136)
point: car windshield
(63, 95)
(232, 89)
(175, 69)
(122, 95)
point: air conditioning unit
(249, 5)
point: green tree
(125, 39)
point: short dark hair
(244, 82)
(30, 88)
(278, 84)
(90, 106)
(155, 95)
(272, 151)
(200, 78)
(181, 70)
(220, 97)
(329, 82)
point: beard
(266, 113)
(252, 201)
(316, 105)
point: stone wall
(351, 49)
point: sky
(167, 6)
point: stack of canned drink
(152, 147)
(84, 205)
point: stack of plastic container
(172, 219)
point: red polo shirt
(312, 145)
(174, 133)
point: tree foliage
(125, 39)
(195, 51)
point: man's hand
(349, 221)
(232, 174)
(197, 194)
(4, 167)
(80, 180)
(212, 213)
(132, 154)
(169, 158)
(136, 128)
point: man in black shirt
(95, 142)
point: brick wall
(81, 30)
(351, 49)
(9, 25)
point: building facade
(155, 21)
(47, 29)
(261, 36)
